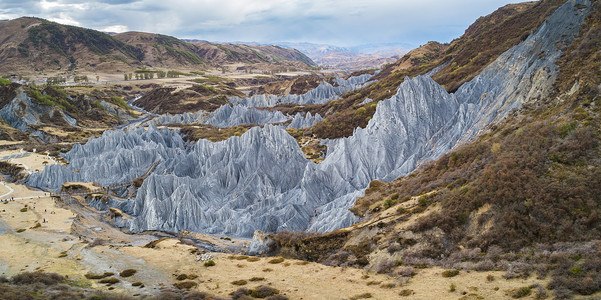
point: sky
(344, 23)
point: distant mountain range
(32, 45)
(354, 58)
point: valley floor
(39, 233)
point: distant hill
(30, 45)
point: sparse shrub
(181, 277)
(276, 260)
(302, 263)
(540, 292)
(388, 285)
(490, 278)
(98, 276)
(257, 279)
(484, 265)
(362, 296)
(23, 229)
(137, 283)
(24, 209)
(563, 293)
(389, 202)
(239, 282)
(384, 266)
(518, 270)
(450, 273)
(241, 293)
(406, 272)
(109, 281)
(128, 272)
(252, 259)
(267, 270)
(394, 247)
(406, 293)
(63, 254)
(576, 270)
(264, 291)
(185, 285)
(37, 277)
(452, 287)
(520, 292)
(37, 225)
(209, 263)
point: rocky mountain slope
(50, 114)
(522, 198)
(236, 186)
(32, 45)
(513, 22)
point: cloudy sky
(335, 22)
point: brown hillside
(31, 45)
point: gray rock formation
(262, 180)
(304, 120)
(200, 117)
(321, 94)
(115, 157)
(21, 113)
(228, 116)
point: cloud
(339, 22)
(115, 28)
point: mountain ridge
(34, 43)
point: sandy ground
(34, 162)
(68, 241)
(3, 143)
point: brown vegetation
(198, 97)
(127, 272)
(210, 132)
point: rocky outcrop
(229, 116)
(263, 181)
(304, 120)
(115, 157)
(322, 94)
(21, 113)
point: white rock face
(243, 110)
(322, 94)
(115, 157)
(200, 117)
(229, 116)
(304, 121)
(262, 180)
